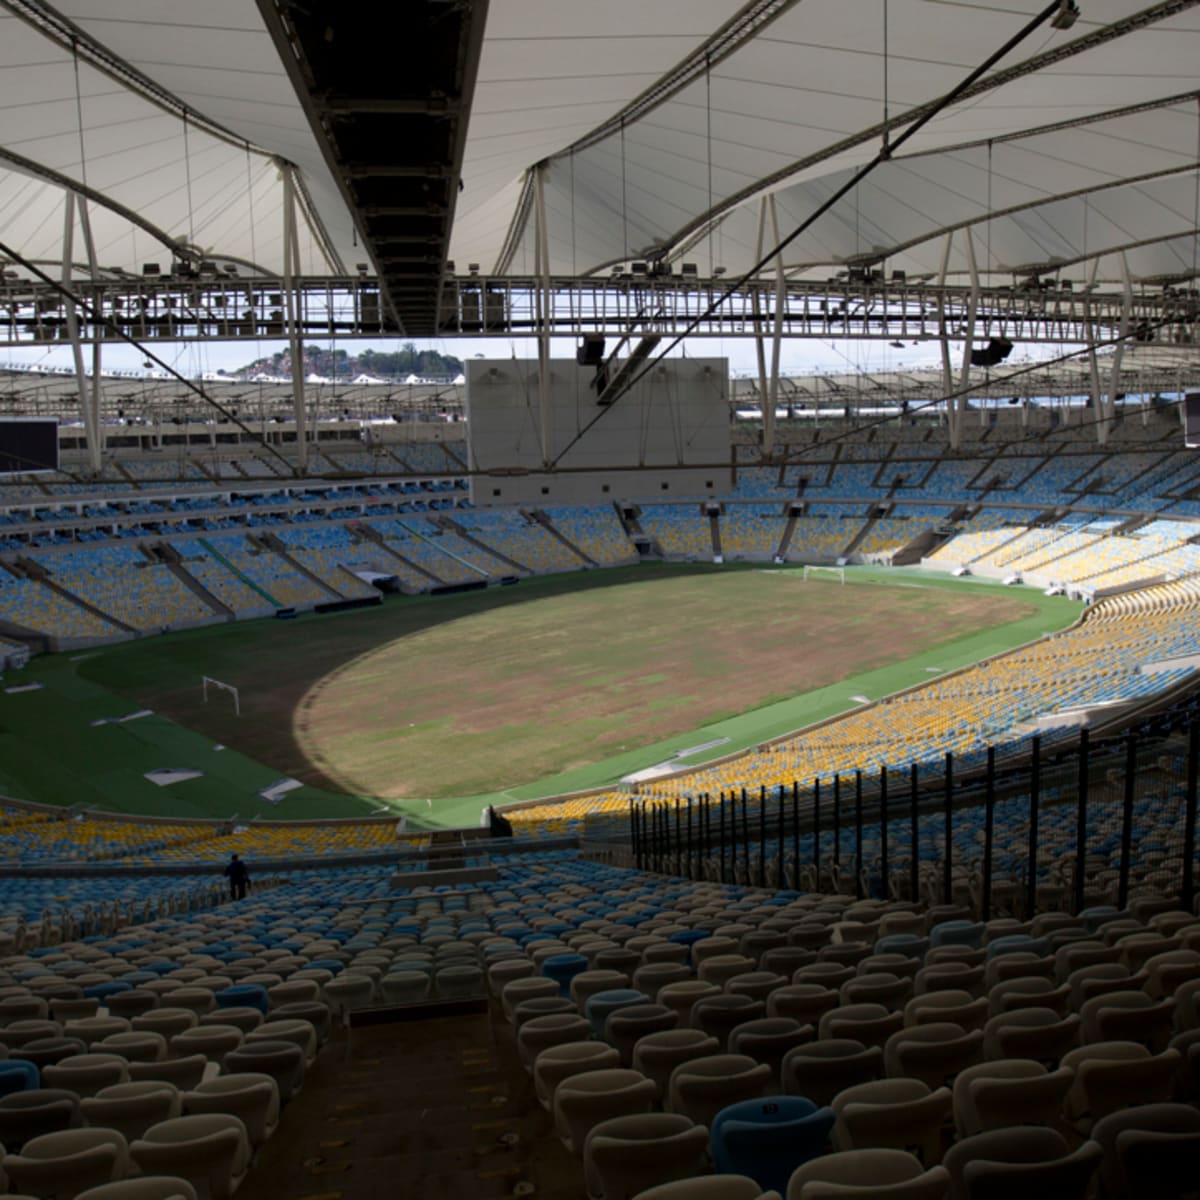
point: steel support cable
(850, 184)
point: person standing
(238, 877)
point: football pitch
(435, 706)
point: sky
(800, 356)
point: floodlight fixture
(1067, 15)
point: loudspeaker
(994, 353)
(590, 352)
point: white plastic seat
(683, 997)
(720, 968)
(1076, 955)
(803, 1002)
(878, 987)
(758, 985)
(1168, 1125)
(877, 1174)
(583, 1101)
(249, 1095)
(1028, 991)
(820, 1070)
(1016, 964)
(213, 1041)
(768, 1040)
(827, 974)
(871, 1024)
(656, 1055)
(711, 947)
(134, 1046)
(651, 977)
(558, 1062)
(167, 1020)
(90, 1030)
(210, 1150)
(283, 1061)
(700, 1087)
(86, 1074)
(347, 991)
(72, 1008)
(898, 1114)
(625, 1155)
(587, 984)
(145, 1187)
(1166, 971)
(949, 976)
(626, 1026)
(1128, 1016)
(292, 991)
(1137, 948)
(1114, 1075)
(1034, 1162)
(1097, 979)
(299, 1033)
(459, 981)
(506, 970)
(1008, 1092)
(933, 1053)
(199, 1000)
(1037, 1033)
(1065, 1178)
(554, 1029)
(949, 1005)
(665, 951)
(709, 1187)
(63, 1164)
(517, 991)
(183, 1072)
(131, 1108)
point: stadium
(666, 538)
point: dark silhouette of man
(238, 877)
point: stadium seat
(624, 1156)
(254, 1098)
(769, 1138)
(209, 1150)
(879, 1174)
(583, 1101)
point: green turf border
(111, 778)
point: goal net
(838, 573)
(207, 682)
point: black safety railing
(1074, 822)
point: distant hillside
(340, 364)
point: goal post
(207, 681)
(815, 572)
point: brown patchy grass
(461, 695)
(512, 696)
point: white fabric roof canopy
(84, 128)
(1094, 135)
(798, 108)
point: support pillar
(771, 399)
(1108, 408)
(542, 270)
(959, 403)
(760, 345)
(88, 397)
(291, 270)
(944, 336)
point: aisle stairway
(436, 1108)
